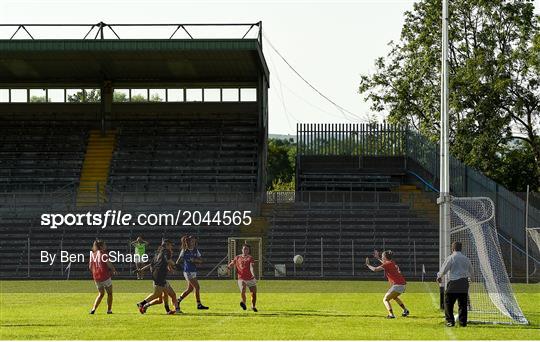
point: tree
(94, 95)
(120, 97)
(494, 78)
(155, 98)
(516, 164)
(138, 98)
(280, 185)
(281, 163)
(37, 99)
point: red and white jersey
(393, 274)
(98, 266)
(243, 266)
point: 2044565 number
(220, 218)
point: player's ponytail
(185, 242)
(98, 245)
(388, 254)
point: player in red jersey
(395, 278)
(102, 270)
(246, 278)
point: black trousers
(456, 290)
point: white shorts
(190, 275)
(103, 284)
(396, 288)
(247, 283)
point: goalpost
(256, 251)
(472, 222)
(491, 298)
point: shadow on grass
(299, 314)
(8, 325)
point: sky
(330, 43)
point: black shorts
(161, 283)
(164, 284)
(159, 279)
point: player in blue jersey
(190, 257)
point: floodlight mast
(444, 195)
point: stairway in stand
(95, 169)
(419, 201)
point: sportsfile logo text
(118, 218)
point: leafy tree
(138, 98)
(494, 79)
(155, 98)
(515, 165)
(93, 95)
(280, 185)
(281, 162)
(120, 97)
(37, 99)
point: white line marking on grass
(449, 333)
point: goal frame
(254, 242)
(491, 316)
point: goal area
(256, 250)
(491, 298)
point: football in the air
(298, 259)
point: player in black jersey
(161, 264)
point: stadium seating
(346, 182)
(151, 158)
(326, 234)
(40, 155)
(186, 155)
(20, 260)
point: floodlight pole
(444, 196)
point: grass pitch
(288, 309)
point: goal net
(255, 243)
(534, 235)
(532, 251)
(491, 298)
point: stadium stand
(187, 155)
(86, 149)
(347, 206)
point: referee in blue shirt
(459, 269)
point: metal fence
(468, 182)
(350, 139)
